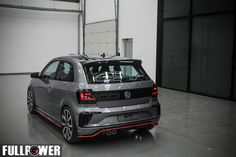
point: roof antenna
(103, 55)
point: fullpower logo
(31, 150)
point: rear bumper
(98, 131)
(105, 119)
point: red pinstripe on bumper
(118, 128)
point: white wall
(99, 10)
(29, 39)
(138, 20)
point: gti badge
(127, 95)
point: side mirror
(34, 75)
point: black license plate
(126, 117)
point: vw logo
(127, 94)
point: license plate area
(133, 116)
(126, 117)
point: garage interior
(193, 48)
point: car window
(114, 73)
(50, 70)
(129, 70)
(66, 72)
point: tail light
(86, 96)
(154, 91)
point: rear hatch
(118, 83)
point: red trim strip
(154, 93)
(118, 128)
(46, 117)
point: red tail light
(154, 91)
(86, 96)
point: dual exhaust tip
(110, 132)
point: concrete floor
(190, 125)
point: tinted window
(114, 73)
(65, 72)
(50, 70)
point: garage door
(100, 27)
(100, 38)
(32, 37)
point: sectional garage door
(100, 37)
(32, 37)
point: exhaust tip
(111, 132)
(114, 132)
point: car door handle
(49, 89)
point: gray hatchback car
(87, 97)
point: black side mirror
(34, 75)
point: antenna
(103, 55)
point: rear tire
(30, 101)
(69, 131)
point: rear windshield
(115, 72)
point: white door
(128, 47)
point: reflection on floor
(190, 125)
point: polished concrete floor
(190, 125)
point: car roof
(84, 59)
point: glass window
(115, 73)
(66, 72)
(50, 70)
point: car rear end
(118, 95)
